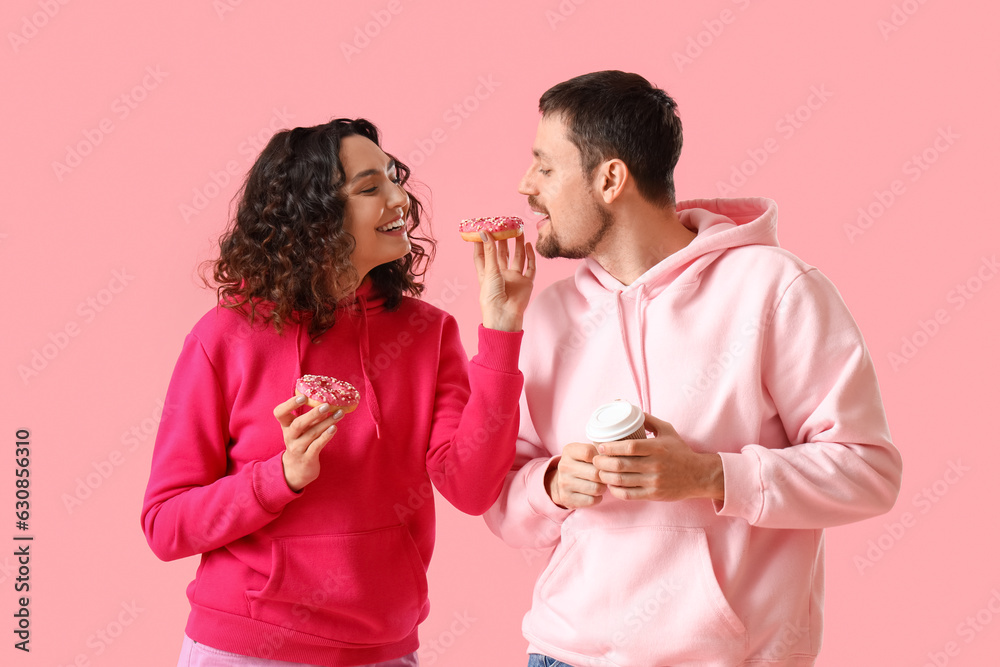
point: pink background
(99, 260)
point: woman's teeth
(395, 224)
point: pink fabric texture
(748, 352)
(335, 574)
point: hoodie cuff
(270, 487)
(538, 497)
(744, 490)
(499, 350)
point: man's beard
(550, 247)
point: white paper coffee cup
(618, 420)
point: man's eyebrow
(538, 154)
(372, 172)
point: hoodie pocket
(641, 595)
(352, 589)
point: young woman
(315, 528)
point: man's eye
(545, 172)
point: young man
(702, 545)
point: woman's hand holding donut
(504, 282)
(305, 437)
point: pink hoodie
(335, 574)
(748, 352)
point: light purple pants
(194, 654)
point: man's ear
(612, 176)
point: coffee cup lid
(613, 421)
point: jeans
(537, 660)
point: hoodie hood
(721, 224)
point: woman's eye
(369, 191)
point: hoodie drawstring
(628, 348)
(370, 399)
(640, 374)
(298, 349)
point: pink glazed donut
(500, 227)
(319, 389)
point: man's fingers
(629, 492)
(580, 451)
(578, 500)
(626, 479)
(657, 426)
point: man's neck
(640, 239)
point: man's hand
(574, 482)
(663, 467)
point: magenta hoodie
(335, 574)
(748, 352)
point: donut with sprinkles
(499, 226)
(319, 389)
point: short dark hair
(287, 246)
(613, 114)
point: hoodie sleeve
(192, 505)
(524, 516)
(475, 417)
(841, 465)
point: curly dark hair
(286, 254)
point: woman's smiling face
(377, 206)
